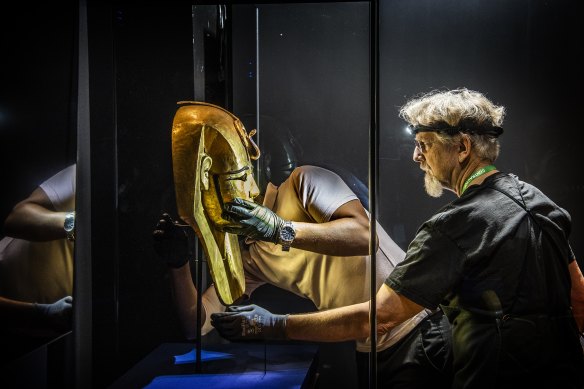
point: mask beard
(433, 187)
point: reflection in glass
(36, 266)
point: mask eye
(243, 177)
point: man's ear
(206, 163)
(464, 148)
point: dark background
(313, 80)
(37, 96)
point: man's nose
(418, 155)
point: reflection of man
(36, 260)
(323, 258)
(497, 257)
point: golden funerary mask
(211, 157)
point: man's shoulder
(312, 169)
(307, 174)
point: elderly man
(310, 237)
(497, 259)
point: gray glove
(255, 221)
(173, 242)
(58, 314)
(249, 322)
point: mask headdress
(209, 142)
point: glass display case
(300, 74)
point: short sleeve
(431, 269)
(321, 191)
(60, 189)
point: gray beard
(433, 187)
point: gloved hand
(249, 322)
(58, 314)
(173, 242)
(256, 221)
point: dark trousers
(422, 359)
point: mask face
(212, 156)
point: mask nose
(254, 191)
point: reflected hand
(173, 242)
(249, 322)
(255, 221)
(58, 314)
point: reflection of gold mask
(211, 155)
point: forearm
(33, 222)
(23, 317)
(352, 322)
(346, 323)
(341, 237)
(15, 314)
(184, 295)
(577, 294)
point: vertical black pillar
(373, 176)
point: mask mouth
(223, 223)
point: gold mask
(211, 156)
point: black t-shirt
(483, 251)
(502, 278)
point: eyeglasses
(422, 146)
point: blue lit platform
(232, 365)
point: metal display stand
(199, 281)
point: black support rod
(373, 178)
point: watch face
(287, 234)
(69, 223)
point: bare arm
(352, 322)
(16, 314)
(184, 294)
(36, 319)
(35, 219)
(346, 234)
(577, 294)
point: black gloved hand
(249, 322)
(173, 242)
(256, 221)
(58, 314)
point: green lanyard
(476, 174)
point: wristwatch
(287, 235)
(69, 226)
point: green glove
(255, 221)
(249, 322)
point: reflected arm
(36, 319)
(16, 314)
(35, 219)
